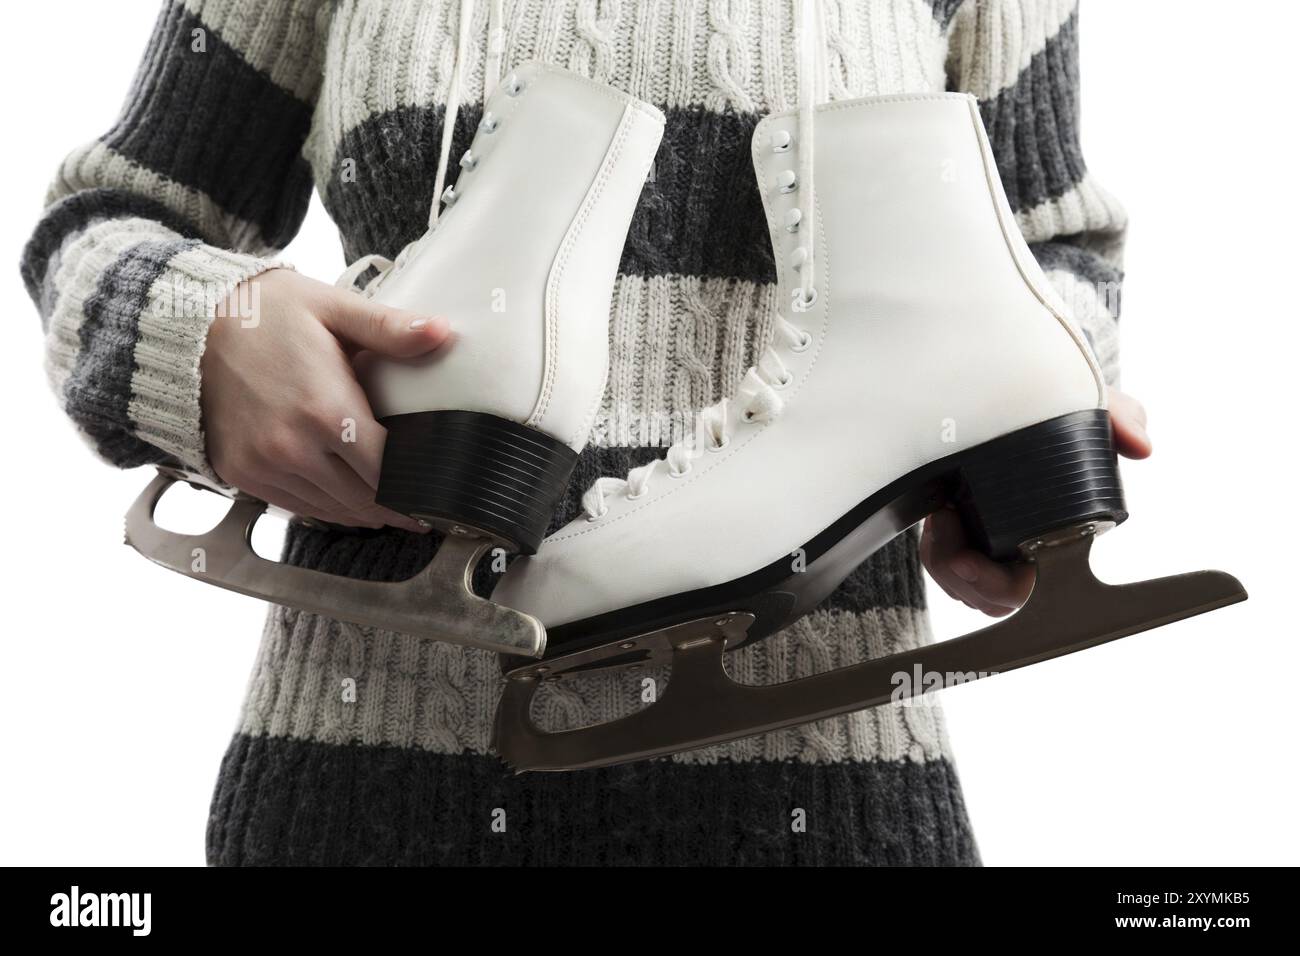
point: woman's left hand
(982, 583)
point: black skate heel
(1026, 485)
(488, 476)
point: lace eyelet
(449, 196)
(747, 416)
(787, 181)
(803, 343)
(781, 141)
(514, 86)
(714, 449)
(792, 220)
(784, 383)
(679, 474)
(488, 124)
(803, 303)
(594, 518)
(636, 497)
(469, 160)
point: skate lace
(489, 124)
(756, 400)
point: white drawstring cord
(496, 45)
(451, 109)
(491, 77)
(757, 396)
(496, 48)
(353, 272)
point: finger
(942, 538)
(926, 542)
(361, 323)
(308, 487)
(284, 500)
(1000, 586)
(969, 576)
(346, 436)
(1129, 420)
(356, 485)
(926, 549)
(968, 592)
(362, 445)
(338, 479)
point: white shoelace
(757, 400)
(491, 77)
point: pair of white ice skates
(924, 360)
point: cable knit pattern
(435, 697)
(364, 746)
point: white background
(121, 682)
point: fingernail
(965, 570)
(417, 324)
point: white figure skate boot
(482, 434)
(925, 360)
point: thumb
(362, 324)
(1129, 420)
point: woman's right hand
(284, 416)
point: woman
(157, 231)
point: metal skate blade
(436, 603)
(1069, 610)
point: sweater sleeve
(1020, 59)
(148, 227)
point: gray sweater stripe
(1070, 256)
(97, 394)
(281, 801)
(183, 96)
(76, 213)
(1033, 124)
(700, 215)
(945, 10)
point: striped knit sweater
(240, 107)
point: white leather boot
(484, 433)
(924, 359)
(928, 330)
(482, 436)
